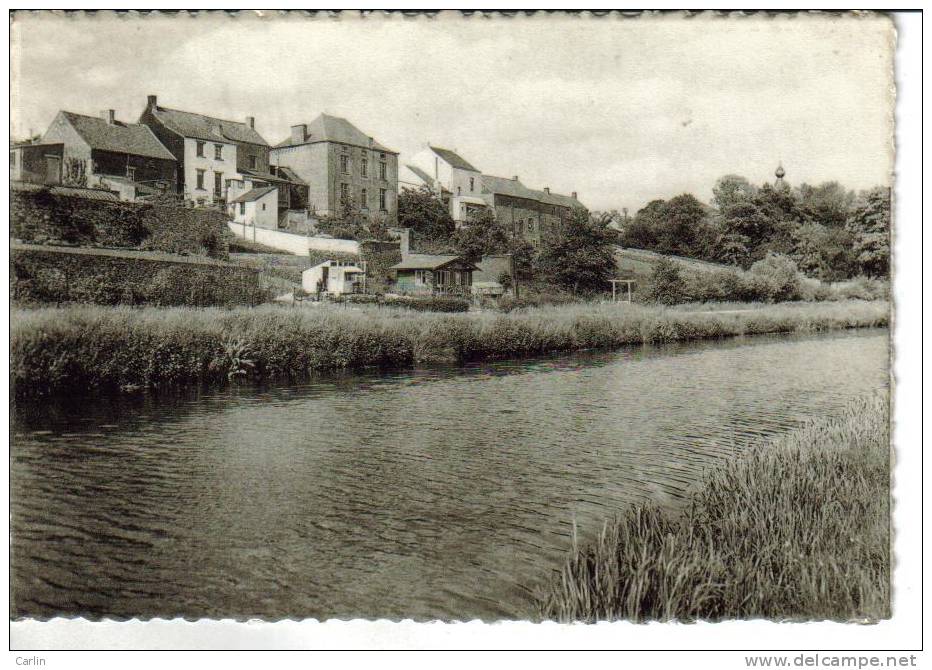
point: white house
(336, 277)
(256, 208)
(449, 175)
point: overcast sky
(621, 110)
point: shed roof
(429, 262)
(254, 194)
(326, 128)
(119, 137)
(71, 191)
(203, 127)
(453, 159)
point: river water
(441, 493)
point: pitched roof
(254, 194)
(326, 128)
(453, 159)
(516, 189)
(268, 176)
(119, 137)
(203, 127)
(426, 262)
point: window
(459, 190)
(263, 206)
(200, 180)
(383, 170)
(383, 199)
(364, 167)
(131, 173)
(218, 152)
(253, 163)
(344, 164)
(12, 159)
(472, 184)
(218, 183)
(200, 148)
(530, 226)
(242, 208)
(363, 199)
(344, 192)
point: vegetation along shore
(795, 529)
(84, 348)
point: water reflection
(431, 493)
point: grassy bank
(77, 349)
(795, 530)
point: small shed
(434, 273)
(256, 207)
(334, 277)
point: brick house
(100, 152)
(339, 162)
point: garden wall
(54, 275)
(295, 244)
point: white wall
(295, 244)
(210, 166)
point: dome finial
(780, 171)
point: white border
(902, 632)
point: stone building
(450, 176)
(526, 212)
(209, 151)
(99, 152)
(339, 163)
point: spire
(779, 184)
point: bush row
(40, 217)
(47, 276)
(772, 279)
(79, 349)
(427, 303)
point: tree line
(830, 232)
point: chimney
(251, 121)
(405, 242)
(371, 141)
(153, 101)
(574, 196)
(299, 132)
(546, 189)
(108, 115)
(515, 178)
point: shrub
(775, 278)
(509, 303)
(665, 284)
(433, 303)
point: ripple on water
(434, 493)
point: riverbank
(80, 349)
(798, 529)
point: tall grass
(795, 530)
(87, 348)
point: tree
(665, 284)
(827, 204)
(480, 236)
(641, 232)
(424, 213)
(823, 252)
(680, 220)
(580, 256)
(731, 190)
(869, 225)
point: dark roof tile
(119, 137)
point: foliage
(480, 236)
(580, 256)
(166, 225)
(85, 349)
(769, 535)
(425, 214)
(823, 252)
(74, 172)
(666, 285)
(775, 279)
(869, 224)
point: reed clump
(90, 348)
(793, 530)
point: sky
(621, 110)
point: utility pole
(514, 265)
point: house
(525, 212)
(36, 162)
(451, 177)
(97, 152)
(443, 274)
(334, 277)
(257, 207)
(209, 151)
(341, 164)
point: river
(438, 493)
